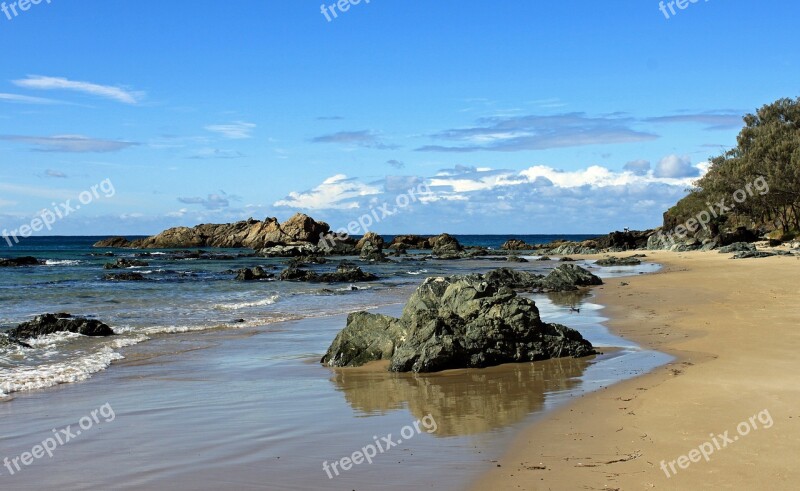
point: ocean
(230, 371)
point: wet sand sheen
(253, 409)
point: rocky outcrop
(19, 261)
(623, 241)
(752, 254)
(619, 261)
(124, 277)
(410, 242)
(446, 246)
(737, 247)
(113, 242)
(517, 259)
(292, 251)
(250, 233)
(123, 263)
(371, 247)
(564, 278)
(516, 245)
(254, 274)
(455, 322)
(52, 323)
(346, 272)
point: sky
(513, 117)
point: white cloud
(70, 143)
(238, 130)
(676, 166)
(336, 192)
(24, 99)
(118, 94)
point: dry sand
(734, 328)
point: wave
(61, 262)
(245, 305)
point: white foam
(61, 262)
(244, 305)
(51, 374)
(421, 271)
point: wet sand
(253, 409)
(733, 327)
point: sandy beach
(731, 324)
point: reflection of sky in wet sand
(463, 402)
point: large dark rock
(737, 247)
(623, 241)
(254, 274)
(19, 261)
(568, 277)
(6, 341)
(410, 242)
(371, 247)
(123, 263)
(52, 323)
(516, 245)
(455, 322)
(113, 242)
(446, 246)
(753, 254)
(346, 272)
(619, 261)
(124, 277)
(254, 234)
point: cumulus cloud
(638, 167)
(534, 132)
(238, 130)
(70, 143)
(336, 192)
(675, 166)
(538, 199)
(115, 93)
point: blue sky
(520, 117)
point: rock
(250, 233)
(741, 234)
(410, 242)
(113, 242)
(291, 251)
(372, 248)
(125, 263)
(305, 260)
(297, 274)
(623, 241)
(52, 323)
(446, 246)
(517, 259)
(455, 322)
(346, 272)
(255, 274)
(374, 239)
(6, 341)
(516, 245)
(19, 261)
(544, 258)
(566, 259)
(619, 261)
(568, 277)
(511, 278)
(124, 277)
(737, 247)
(752, 254)
(709, 245)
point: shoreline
(729, 325)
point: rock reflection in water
(463, 402)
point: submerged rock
(125, 263)
(346, 272)
(255, 274)
(124, 277)
(455, 322)
(619, 261)
(52, 323)
(516, 259)
(19, 261)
